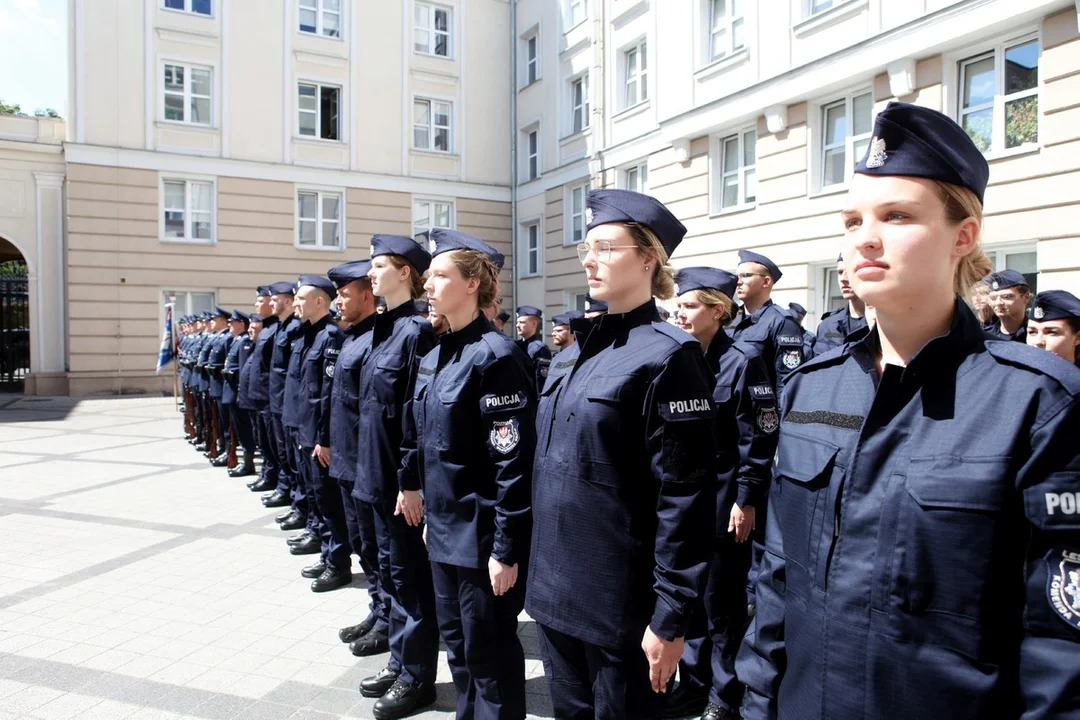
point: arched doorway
(14, 319)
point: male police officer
(259, 394)
(500, 320)
(764, 329)
(239, 345)
(837, 326)
(529, 322)
(797, 312)
(1009, 297)
(216, 351)
(281, 301)
(560, 329)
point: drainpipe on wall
(513, 157)
(598, 88)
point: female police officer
(399, 339)
(1055, 324)
(625, 479)
(918, 564)
(469, 440)
(746, 425)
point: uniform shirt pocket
(804, 470)
(387, 371)
(608, 424)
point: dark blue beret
(422, 306)
(343, 274)
(1006, 279)
(317, 281)
(238, 316)
(263, 291)
(446, 240)
(621, 206)
(916, 141)
(222, 312)
(1055, 305)
(706, 278)
(207, 316)
(592, 305)
(663, 312)
(257, 318)
(566, 317)
(503, 315)
(284, 287)
(797, 308)
(404, 246)
(526, 310)
(753, 257)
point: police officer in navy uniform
(798, 313)
(469, 440)
(560, 329)
(764, 328)
(625, 477)
(282, 295)
(197, 381)
(746, 432)
(240, 421)
(243, 394)
(838, 326)
(594, 307)
(1055, 324)
(919, 560)
(530, 324)
(1009, 297)
(319, 348)
(259, 394)
(401, 337)
(216, 352)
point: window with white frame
(727, 27)
(576, 12)
(431, 29)
(813, 7)
(318, 219)
(318, 111)
(532, 153)
(576, 226)
(576, 301)
(1023, 258)
(187, 94)
(830, 298)
(431, 125)
(320, 17)
(428, 214)
(738, 169)
(530, 50)
(635, 75)
(579, 103)
(186, 302)
(195, 7)
(187, 210)
(533, 249)
(636, 178)
(846, 128)
(999, 96)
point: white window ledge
(575, 135)
(434, 153)
(838, 189)
(828, 18)
(186, 241)
(319, 248)
(723, 64)
(317, 141)
(631, 111)
(526, 86)
(177, 124)
(1029, 149)
(733, 210)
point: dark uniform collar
(313, 328)
(965, 335)
(270, 320)
(358, 329)
(717, 347)
(616, 322)
(384, 322)
(757, 314)
(455, 339)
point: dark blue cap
(317, 281)
(1055, 305)
(222, 312)
(916, 141)
(592, 305)
(238, 316)
(404, 246)
(1006, 279)
(263, 290)
(750, 256)
(620, 206)
(343, 274)
(283, 288)
(257, 318)
(663, 312)
(446, 240)
(566, 317)
(334, 313)
(706, 278)
(503, 315)
(526, 310)
(207, 315)
(797, 308)
(380, 302)
(422, 306)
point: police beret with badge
(566, 317)
(343, 274)
(530, 310)
(318, 282)
(1006, 279)
(796, 308)
(1055, 305)
(263, 291)
(625, 206)
(253, 318)
(285, 287)
(749, 256)
(915, 141)
(238, 316)
(706, 278)
(222, 313)
(405, 247)
(447, 240)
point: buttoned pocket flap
(801, 459)
(959, 483)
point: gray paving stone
(181, 699)
(55, 675)
(222, 707)
(293, 693)
(333, 700)
(265, 711)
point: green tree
(13, 267)
(6, 109)
(47, 112)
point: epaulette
(831, 357)
(680, 336)
(1043, 362)
(500, 345)
(830, 313)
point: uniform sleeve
(790, 350)
(508, 419)
(1050, 481)
(680, 417)
(330, 353)
(409, 472)
(758, 417)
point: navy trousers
(361, 522)
(241, 420)
(267, 447)
(288, 480)
(333, 531)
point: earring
(646, 268)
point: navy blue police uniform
(534, 347)
(836, 328)
(321, 343)
(1005, 280)
(919, 563)
(271, 476)
(594, 306)
(282, 339)
(215, 365)
(624, 494)
(797, 313)
(469, 439)
(401, 337)
(243, 393)
(747, 421)
(199, 382)
(230, 391)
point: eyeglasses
(602, 248)
(747, 276)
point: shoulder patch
(762, 392)
(1040, 361)
(503, 403)
(500, 348)
(790, 340)
(1063, 584)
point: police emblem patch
(588, 216)
(1038, 312)
(792, 359)
(768, 420)
(1063, 585)
(994, 285)
(876, 156)
(330, 370)
(504, 435)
